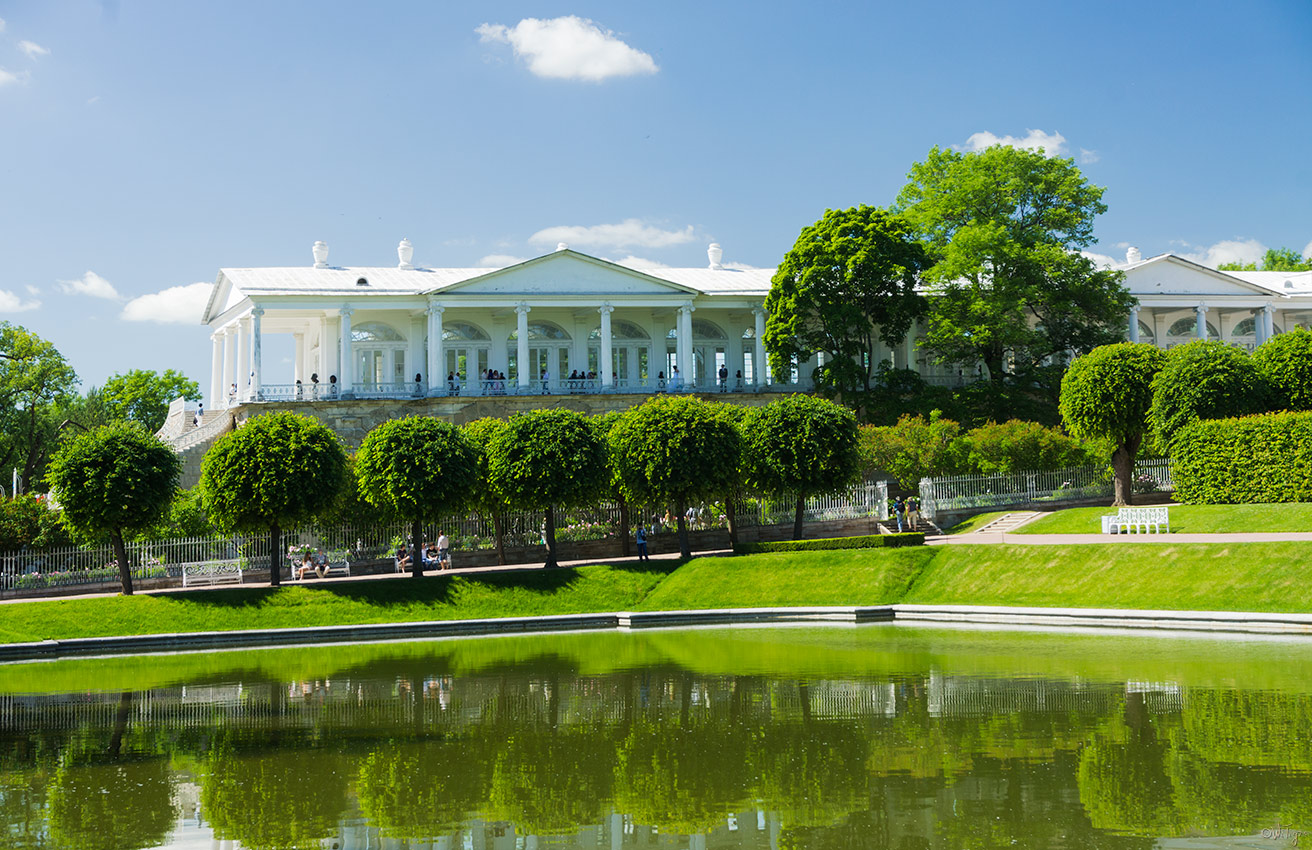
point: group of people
(435, 555)
(907, 513)
(494, 382)
(315, 560)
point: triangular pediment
(1172, 275)
(565, 273)
(223, 297)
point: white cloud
(569, 48)
(498, 261)
(1225, 251)
(32, 290)
(90, 284)
(1307, 250)
(1103, 261)
(2, 24)
(1053, 144)
(633, 262)
(630, 233)
(10, 78)
(177, 305)
(1087, 156)
(741, 267)
(11, 303)
(33, 50)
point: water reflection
(412, 752)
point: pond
(827, 737)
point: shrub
(867, 541)
(1016, 446)
(1204, 379)
(1255, 459)
(912, 449)
(1285, 362)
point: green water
(872, 736)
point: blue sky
(144, 145)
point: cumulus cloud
(177, 305)
(640, 263)
(90, 284)
(498, 261)
(33, 50)
(1087, 156)
(11, 303)
(1225, 251)
(8, 78)
(1052, 144)
(1102, 261)
(630, 233)
(569, 48)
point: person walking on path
(642, 543)
(443, 551)
(913, 512)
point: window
(374, 332)
(542, 331)
(462, 331)
(621, 329)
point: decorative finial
(320, 251)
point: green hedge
(868, 541)
(1253, 459)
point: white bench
(1151, 520)
(211, 572)
(323, 570)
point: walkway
(1052, 539)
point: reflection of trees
(553, 781)
(814, 773)
(1250, 727)
(124, 805)
(424, 790)
(1122, 776)
(22, 800)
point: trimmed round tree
(675, 449)
(488, 499)
(1204, 379)
(548, 459)
(113, 481)
(1285, 361)
(1106, 395)
(416, 468)
(801, 446)
(275, 471)
(605, 423)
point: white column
(683, 344)
(1200, 321)
(216, 370)
(521, 330)
(909, 349)
(607, 362)
(327, 354)
(1269, 320)
(257, 354)
(436, 381)
(298, 364)
(758, 353)
(229, 362)
(1259, 326)
(415, 364)
(348, 361)
(243, 357)
(1134, 324)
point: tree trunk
(797, 518)
(551, 538)
(121, 555)
(120, 724)
(499, 531)
(1123, 467)
(417, 537)
(624, 528)
(731, 515)
(685, 548)
(275, 556)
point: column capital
(760, 311)
(605, 309)
(522, 309)
(257, 312)
(434, 308)
(1202, 308)
(1134, 311)
(687, 308)
(1269, 308)
(346, 311)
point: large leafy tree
(488, 499)
(1274, 260)
(142, 395)
(115, 481)
(848, 280)
(675, 449)
(1285, 361)
(1107, 395)
(417, 468)
(548, 459)
(275, 471)
(801, 446)
(34, 380)
(1009, 287)
(1204, 379)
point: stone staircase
(1007, 522)
(191, 443)
(889, 526)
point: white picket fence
(958, 492)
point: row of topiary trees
(280, 470)
(1130, 392)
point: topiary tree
(548, 459)
(1204, 379)
(675, 449)
(488, 499)
(802, 446)
(113, 481)
(735, 415)
(416, 467)
(1285, 362)
(1107, 395)
(604, 424)
(275, 471)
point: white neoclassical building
(567, 323)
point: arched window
(750, 333)
(374, 332)
(542, 331)
(701, 329)
(621, 329)
(1248, 327)
(1145, 332)
(462, 331)
(1188, 326)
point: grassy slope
(977, 521)
(1197, 519)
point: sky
(146, 145)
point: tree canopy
(1274, 260)
(115, 481)
(1009, 287)
(34, 379)
(1285, 362)
(1204, 379)
(142, 395)
(417, 467)
(1107, 395)
(848, 280)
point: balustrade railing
(957, 492)
(508, 387)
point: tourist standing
(913, 512)
(900, 511)
(443, 551)
(642, 543)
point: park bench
(1149, 520)
(330, 567)
(211, 572)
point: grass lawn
(1197, 519)
(977, 521)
